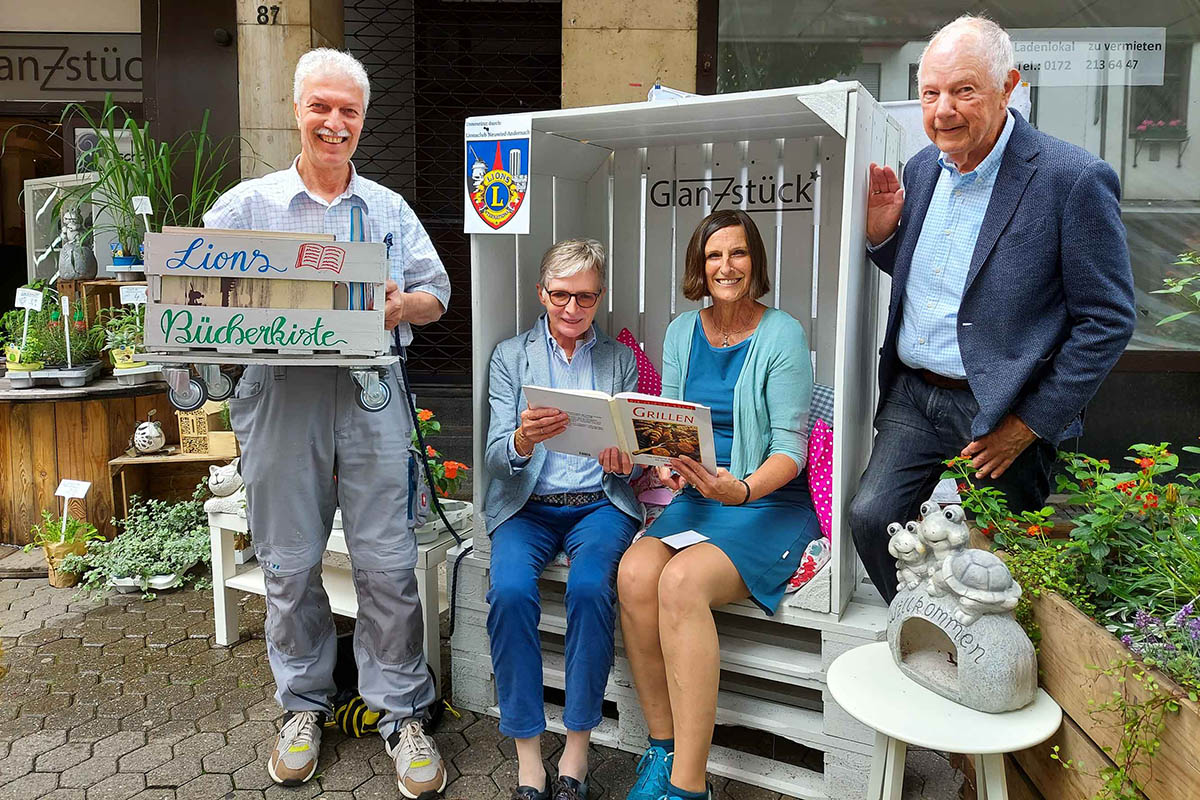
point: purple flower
(1127, 640)
(1194, 629)
(1182, 615)
(1141, 619)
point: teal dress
(765, 538)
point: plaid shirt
(281, 202)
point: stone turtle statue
(981, 584)
(950, 627)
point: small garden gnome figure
(75, 260)
(149, 437)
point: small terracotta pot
(55, 553)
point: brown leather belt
(942, 382)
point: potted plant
(158, 543)
(123, 330)
(181, 178)
(1160, 129)
(24, 357)
(60, 539)
(447, 478)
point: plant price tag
(133, 295)
(141, 205)
(69, 489)
(29, 298)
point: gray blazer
(520, 361)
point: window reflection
(1141, 130)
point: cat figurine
(229, 491)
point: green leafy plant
(156, 538)
(447, 474)
(1138, 538)
(1183, 287)
(182, 178)
(1139, 705)
(51, 531)
(123, 327)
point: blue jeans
(594, 536)
(918, 428)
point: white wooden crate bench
(639, 177)
(772, 680)
(229, 582)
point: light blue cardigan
(772, 395)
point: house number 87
(268, 15)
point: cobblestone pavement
(124, 698)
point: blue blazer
(1048, 305)
(523, 360)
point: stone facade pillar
(267, 55)
(613, 50)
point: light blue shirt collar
(582, 345)
(991, 162)
(295, 186)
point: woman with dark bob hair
(750, 364)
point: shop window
(1161, 111)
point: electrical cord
(433, 498)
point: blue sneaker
(708, 795)
(654, 770)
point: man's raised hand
(885, 201)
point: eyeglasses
(582, 299)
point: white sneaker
(294, 759)
(420, 773)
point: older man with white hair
(1012, 293)
(308, 449)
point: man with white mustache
(307, 448)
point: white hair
(570, 257)
(327, 61)
(991, 42)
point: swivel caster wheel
(190, 398)
(375, 398)
(220, 387)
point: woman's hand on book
(540, 424)
(670, 479)
(722, 487)
(613, 460)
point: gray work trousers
(307, 449)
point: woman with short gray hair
(540, 503)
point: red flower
(429, 451)
(1126, 487)
(962, 487)
(1087, 483)
(451, 469)
(1145, 463)
(1149, 500)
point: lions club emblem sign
(497, 178)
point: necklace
(726, 334)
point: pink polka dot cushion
(649, 381)
(820, 473)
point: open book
(651, 429)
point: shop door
(432, 65)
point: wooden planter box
(1071, 643)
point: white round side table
(872, 689)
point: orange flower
(429, 451)
(1033, 530)
(1145, 463)
(424, 415)
(451, 469)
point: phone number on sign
(1056, 65)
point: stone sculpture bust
(951, 627)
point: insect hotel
(218, 297)
(638, 178)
